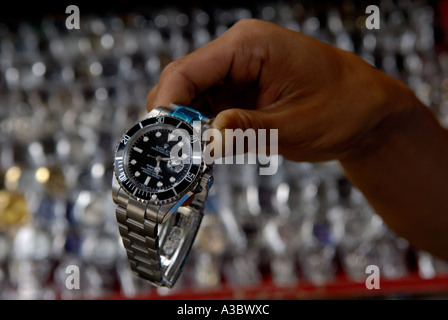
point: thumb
(234, 132)
(240, 119)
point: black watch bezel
(169, 195)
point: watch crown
(207, 181)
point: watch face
(158, 159)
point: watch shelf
(340, 288)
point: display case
(66, 95)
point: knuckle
(171, 67)
(177, 71)
(248, 24)
(244, 30)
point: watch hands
(159, 158)
(157, 167)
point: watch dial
(159, 159)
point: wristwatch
(160, 185)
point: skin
(326, 104)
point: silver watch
(160, 185)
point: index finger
(230, 56)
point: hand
(324, 101)
(326, 104)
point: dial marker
(133, 161)
(159, 184)
(147, 180)
(137, 174)
(154, 197)
(172, 179)
(145, 139)
(138, 150)
(158, 134)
